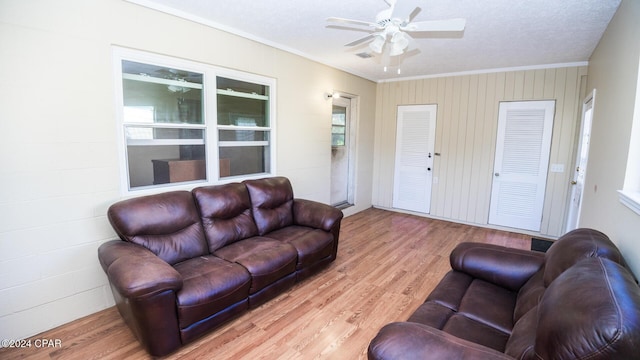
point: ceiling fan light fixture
(377, 44)
(180, 89)
(399, 43)
(396, 49)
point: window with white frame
(244, 127)
(183, 122)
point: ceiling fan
(394, 30)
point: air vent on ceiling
(364, 55)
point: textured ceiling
(498, 34)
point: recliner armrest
(407, 340)
(507, 267)
(315, 214)
(135, 271)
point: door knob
(573, 182)
(497, 174)
(428, 169)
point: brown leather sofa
(577, 301)
(190, 261)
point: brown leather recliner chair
(577, 301)
(191, 261)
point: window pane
(242, 111)
(146, 145)
(242, 104)
(154, 95)
(244, 160)
(337, 140)
(160, 164)
(161, 94)
(338, 129)
(339, 116)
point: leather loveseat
(577, 301)
(191, 261)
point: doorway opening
(343, 119)
(582, 155)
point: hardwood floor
(387, 264)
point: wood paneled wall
(466, 129)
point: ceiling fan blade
(352, 22)
(413, 14)
(436, 25)
(361, 40)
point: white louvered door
(521, 164)
(415, 141)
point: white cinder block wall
(59, 164)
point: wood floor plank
(387, 264)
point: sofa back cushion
(226, 214)
(167, 224)
(575, 246)
(591, 311)
(271, 202)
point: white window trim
(210, 126)
(630, 199)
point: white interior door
(521, 164)
(415, 142)
(577, 183)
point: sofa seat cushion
(312, 245)
(267, 260)
(471, 309)
(210, 284)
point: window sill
(630, 199)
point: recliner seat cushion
(168, 224)
(471, 309)
(210, 284)
(267, 260)
(312, 245)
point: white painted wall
(59, 165)
(613, 72)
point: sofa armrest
(315, 214)
(407, 340)
(135, 271)
(507, 267)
